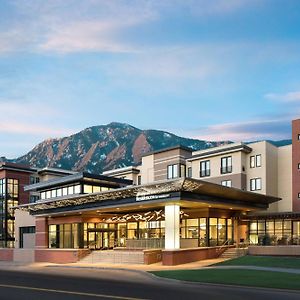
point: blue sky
(222, 69)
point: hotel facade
(177, 206)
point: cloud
(29, 118)
(86, 36)
(31, 129)
(67, 26)
(246, 131)
(171, 63)
(290, 97)
(24, 109)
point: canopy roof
(185, 190)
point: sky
(214, 70)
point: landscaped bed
(263, 261)
(279, 280)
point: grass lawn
(263, 261)
(236, 277)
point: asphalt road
(78, 284)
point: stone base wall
(292, 250)
(183, 256)
(152, 256)
(6, 254)
(24, 255)
(60, 256)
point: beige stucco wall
(238, 165)
(257, 172)
(215, 165)
(276, 173)
(271, 170)
(147, 169)
(22, 219)
(285, 178)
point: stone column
(236, 231)
(172, 223)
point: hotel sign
(151, 197)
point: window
(34, 179)
(25, 230)
(189, 172)
(258, 160)
(205, 168)
(33, 198)
(12, 188)
(182, 170)
(172, 171)
(298, 195)
(227, 183)
(139, 180)
(298, 136)
(226, 165)
(2, 188)
(64, 236)
(77, 189)
(255, 161)
(255, 184)
(96, 189)
(175, 171)
(252, 161)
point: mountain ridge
(104, 147)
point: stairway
(114, 257)
(231, 253)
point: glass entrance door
(98, 240)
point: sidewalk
(141, 267)
(80, 265)
(204, 264)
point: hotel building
(177, 206)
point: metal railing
(226, 243)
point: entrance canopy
(185, 192)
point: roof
(196, 190)
(122, 171)
(219, 150)
(16, 167)
(168, 149)
(81, 176)
(55, 171)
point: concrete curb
(223, 285)
(103, 268)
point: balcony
(226, 170)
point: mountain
(105, 147)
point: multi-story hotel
(177, 206)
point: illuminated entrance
(100, 236)
(173, 218)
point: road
(79, 284)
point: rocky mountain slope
(105, 147)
